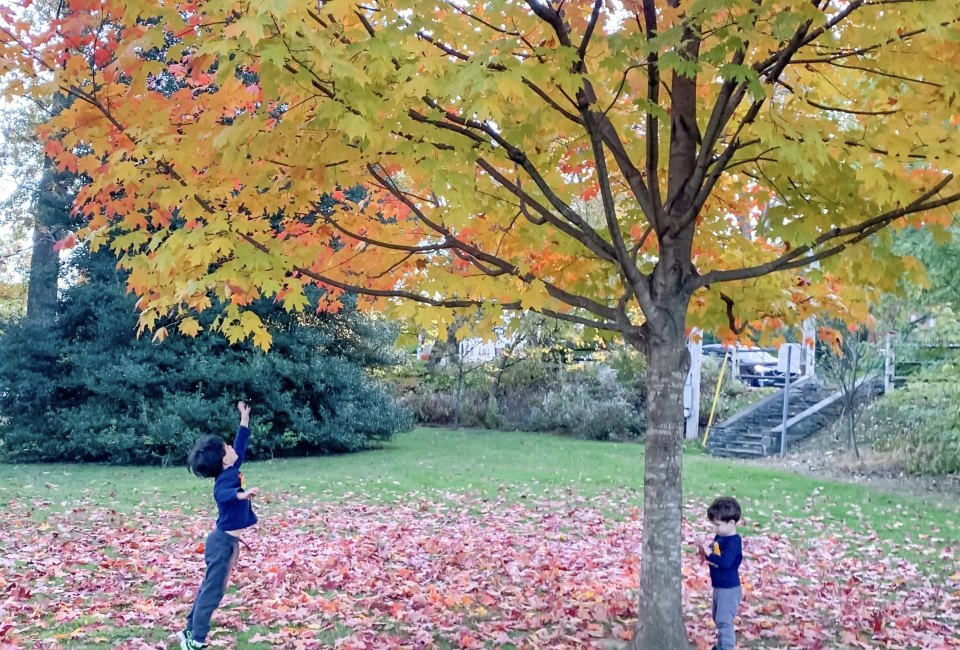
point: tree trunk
(661, 624)
(459, 403)
(51, 215)
(42, 285)
(852, 432)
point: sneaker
(187, 642)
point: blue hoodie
(233, 514)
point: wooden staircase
(757, 430)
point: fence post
(691, 389)
(786, 405)
(888, 364)
(809, 341)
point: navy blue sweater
(233, 514)
(724, 561)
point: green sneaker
(187, 642)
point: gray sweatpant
(725, 604)
(220, 554)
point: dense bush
(920, 423)
(599, 400)
(90, 390)
(593, 407)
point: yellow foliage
(471, 133)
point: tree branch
(630, 172)
(805, 255)
(588, 33)
(550, 101)
(653, 122)
(554, 291)
(590, 239)
(628, 268)
(731, 318)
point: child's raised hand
(244, 411)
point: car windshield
(756, 357)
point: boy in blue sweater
(724, 554)
(213, 458)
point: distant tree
(851, 364)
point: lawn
(462, 539)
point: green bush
(89, 390)
(599, 400)
(920, 422)
(591, 404)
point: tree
(19, 164)
(853, 363)
(38, 203)
(940, 285)
(52, 222)
(732, 144)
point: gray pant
(725, 604)
(220, 554)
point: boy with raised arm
(213, 458)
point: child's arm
(244, 495)
(243, 433)
(730, 556)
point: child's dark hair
(724, 509)
(206, 459)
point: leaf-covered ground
(447, 570)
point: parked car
(757, 367)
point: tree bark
(661, 623)
(51, 215)
(42, 285)
(852, 430)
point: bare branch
(731, 318)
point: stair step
(755, 432)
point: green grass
(514, 464)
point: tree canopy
(478, 127)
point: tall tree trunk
(51, 215)
(42, 285)
(661, 624)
